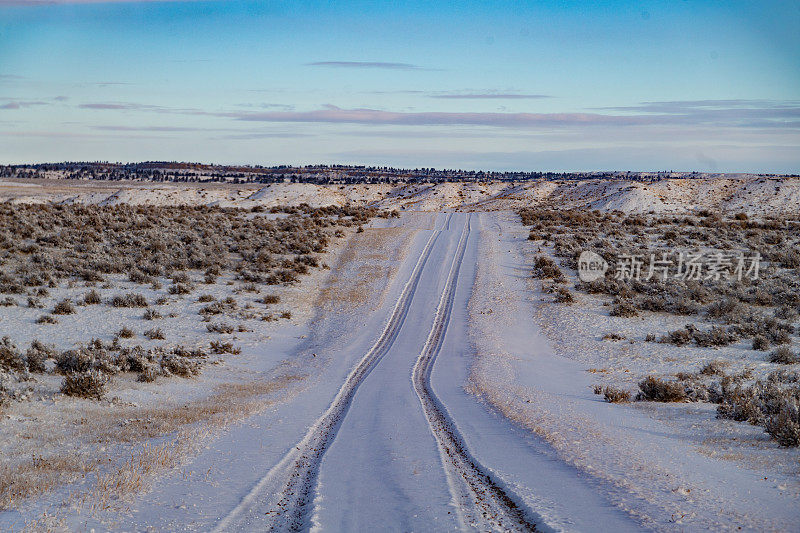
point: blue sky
(680, 85)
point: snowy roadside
(212, 459)
(669, 466)
(91, 456)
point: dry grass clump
(181, 288)
(204, 298)
(219, 307)
(563, 296)
(92, 298)
(653, 389)
(270, 299)
(155, 334)
(64, 307)
(624, 309)
(129, 300)
(126, 333)
(151, 314)
(615, 395)
(87, 384)
(546, 268)
(714, 368)
(47, 319)
(10, 357)
(219, 347)
(37, 354)
(180, 366)
(760, 343)
(784, 356)
(770, 404)
(220, 327)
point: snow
(661, 464)
(509, 377)
(752, 194)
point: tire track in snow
(482, 503)
(286, 490)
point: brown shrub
(615, 395)
(64, 307)
(655, 390)
(88, 384)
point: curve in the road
(293, 479)
(481, 501)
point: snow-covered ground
(670, 466)
(753, 194)
(430, 386)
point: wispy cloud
(120, 106)
(747, 113)
(133, 106)
(684, 106)
(18, 104)
(489, 96)
(333, 114)
(769, 116)
(367, 65)
(283, 107)
(146, 128)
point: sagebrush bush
(615, 395)
(546, 268)
(148, 374)
(155, 334)
(10, 356)
(656, 390)
(219, 327)
(713, 368)
(784, 426)
(92, 298)
(151, 314)
(64, 307)
(37, 354)
(767, 404)
(181, 288)
(219, 347)
(564, 296)
(180, 366)
(624, 309)
(678, 337)
(716, 336)
(270, 299)
(126, 333)
(783, 355)
(88, 384)
(760, 343)
(129, 300)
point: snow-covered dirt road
(385, 437)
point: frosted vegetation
(61, 262)
(758, 314)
